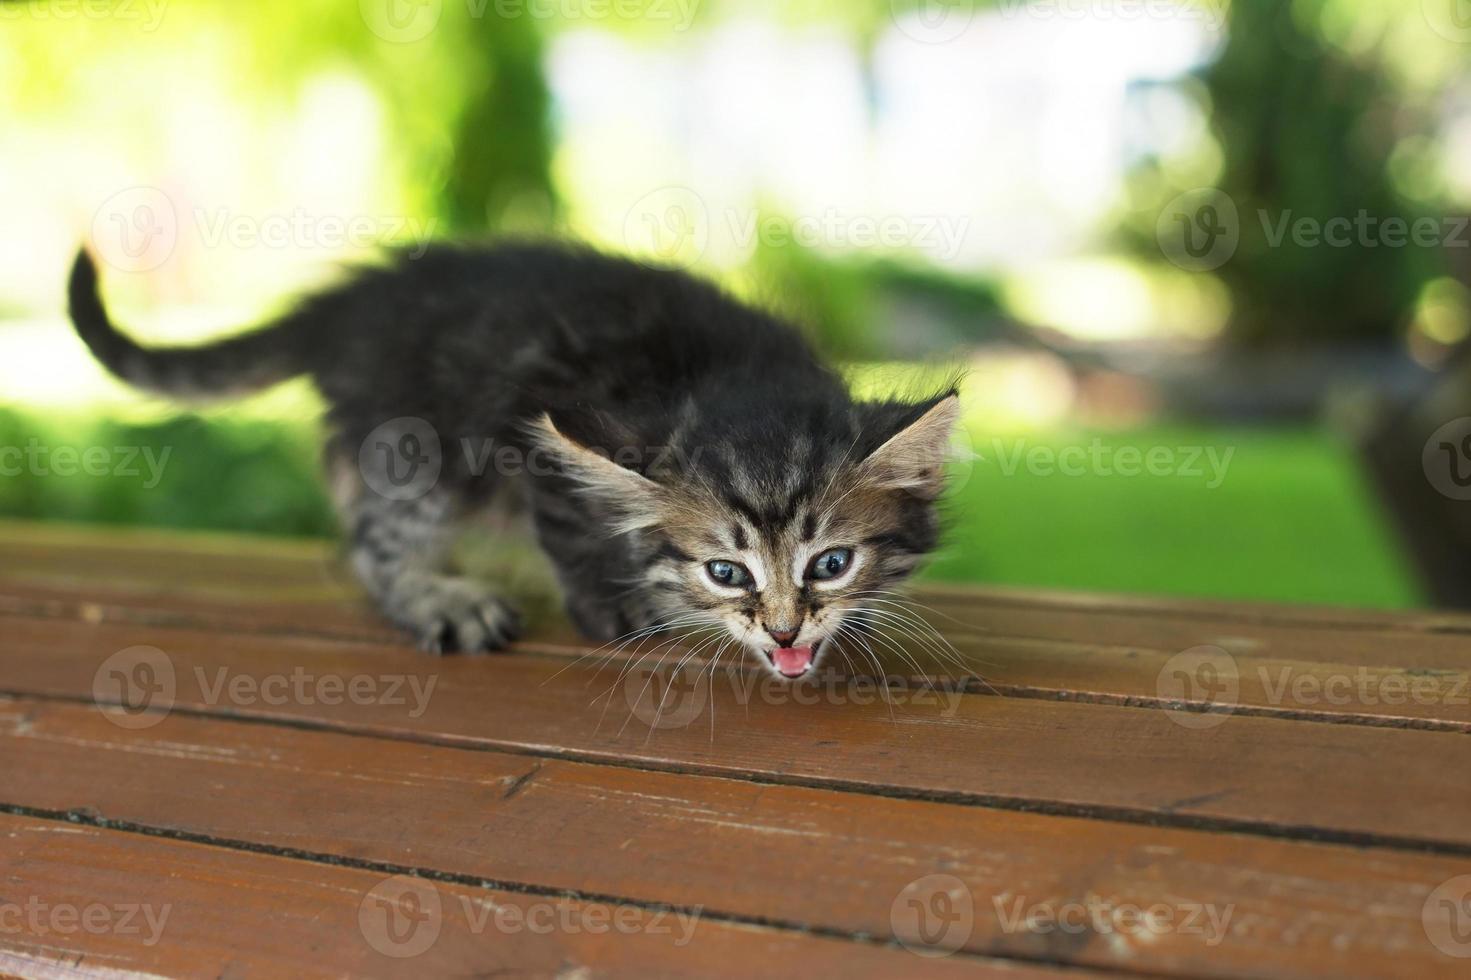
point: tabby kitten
(687, 460)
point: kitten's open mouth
(793, 661)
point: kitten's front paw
(450, 615)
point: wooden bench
(216, 761)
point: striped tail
(221, 370)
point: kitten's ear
(913, 459)
(630, 494)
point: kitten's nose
(782, 637)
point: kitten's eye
(830, 564)
(728, 573)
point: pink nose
(782, 637)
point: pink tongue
(792, 661)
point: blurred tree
(1307, 130)
(502, 139)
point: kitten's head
(775, 525)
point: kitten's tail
(221, 370)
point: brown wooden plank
(171, 908)
(1235, 610)
(835, 862)
(1278, 776)
(81, 554)
(1337, 671)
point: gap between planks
(85, 611)
(1102, 812)
(541, 891)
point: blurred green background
(1096, 206)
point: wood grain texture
(838, 863)
(224, 726)
(1410, 670)
(100, 903)
(1275, 776)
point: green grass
(1290, 519)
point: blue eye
(830, 564)
(728, 573)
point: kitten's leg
(594, 595)
(399, 550)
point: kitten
(687, 460)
